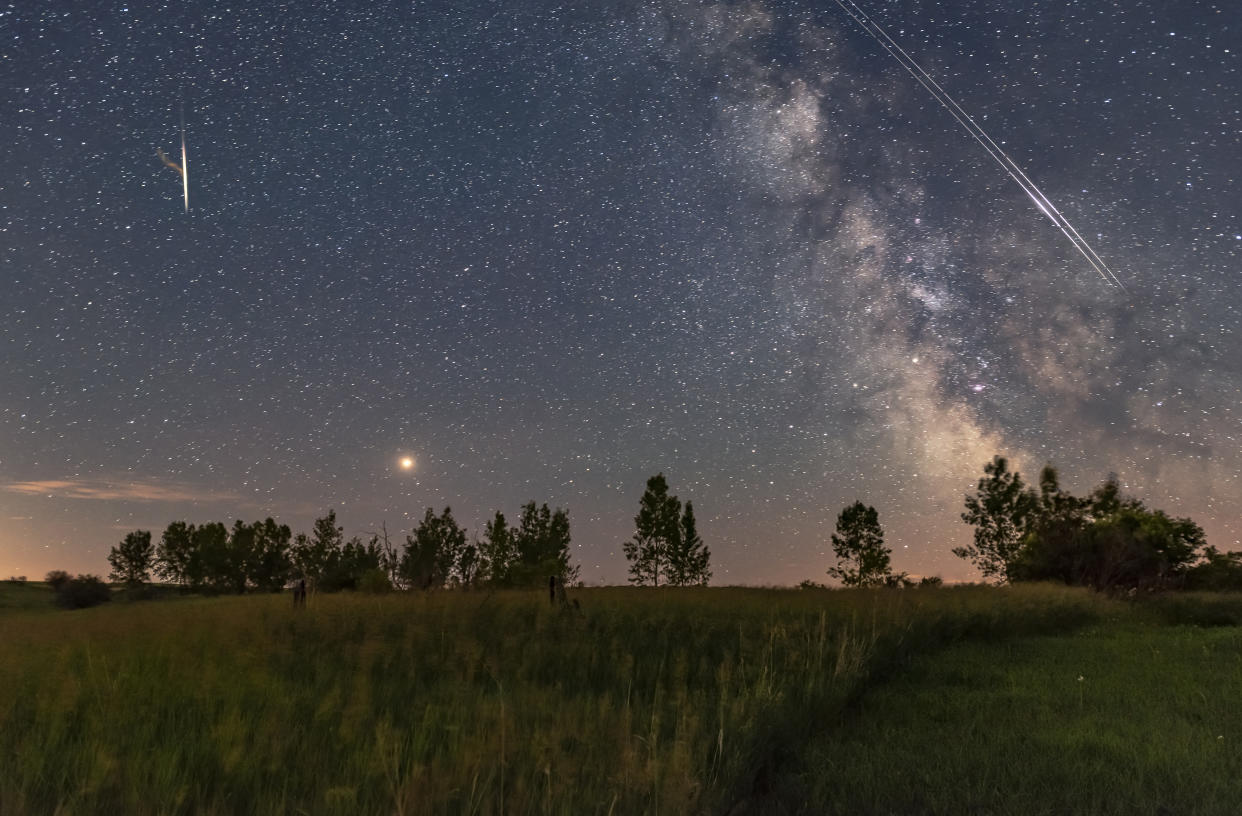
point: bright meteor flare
(185, 166)
(999, 156)
(182, 169)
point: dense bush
(83, 591)
(375, 581)
(57, 579)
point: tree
(1116, 543)
(432, 553)
(271, 560)
(131, 559)
(57, 579)
(210, 563)
(1219, 571)
(862, 558)
(175, 556)
(657, 528)
(348, 564)
(687, 556)
(497, 551)
(540, 544)
(1106, 541)
(1001, 511)
(313, 555)
(238, 559)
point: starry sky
(548, 250)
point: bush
(83, 591)
(57, 579)
(375, 582)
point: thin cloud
(115, 491)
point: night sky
(548, 250)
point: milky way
(548, 251)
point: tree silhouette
(1002, 511)
(541, 546)
(497, 551)
(131, 559)
(175, 555)
(657, 528)
(687, 556)
(862, 558)
(432, 553)
(313, 555)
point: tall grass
(644, 701)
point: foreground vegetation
(1120, 719)
(635, 701)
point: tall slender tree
(688, 557)
(497, 551)
(657, 530)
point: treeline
(264, 556)
(1105, 540)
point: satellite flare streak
(985, 141)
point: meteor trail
(182, 169)
(985, 141)
(185, 161)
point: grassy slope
(25, 595)
(645, 701)
(1120, 719)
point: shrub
(83, 591)
(56, 579)
(375, 582)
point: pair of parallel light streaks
(993, 149)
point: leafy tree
(347, 565)
(931, 581)
(540, 546)
(862, 558)
(469, 563)
(687, 556)
(1106, 541)
(237, 561)
(271, 561)
(1129, 547)
(1001, 511)
(131, 559)
(498, 551)
(174, 558)
(210, 565)
(657, 528)
(432, 553)
(313, 555)
(1219, 571)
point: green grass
(1118, 719)
(644, 701)
(25, 596)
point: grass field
(642, 701)
(1119, 719)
